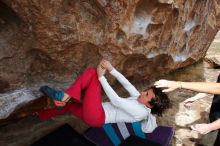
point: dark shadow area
(7, 15)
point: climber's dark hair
(160, 102)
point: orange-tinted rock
(53, 41)
(64, 37)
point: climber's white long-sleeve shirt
(126, 109)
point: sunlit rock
(14, 100)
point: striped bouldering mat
(115, 134)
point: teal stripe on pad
(111, 134)
(137, 129)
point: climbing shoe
(54, 94)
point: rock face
(10, 101)
(53, 41)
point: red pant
(90, 110)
